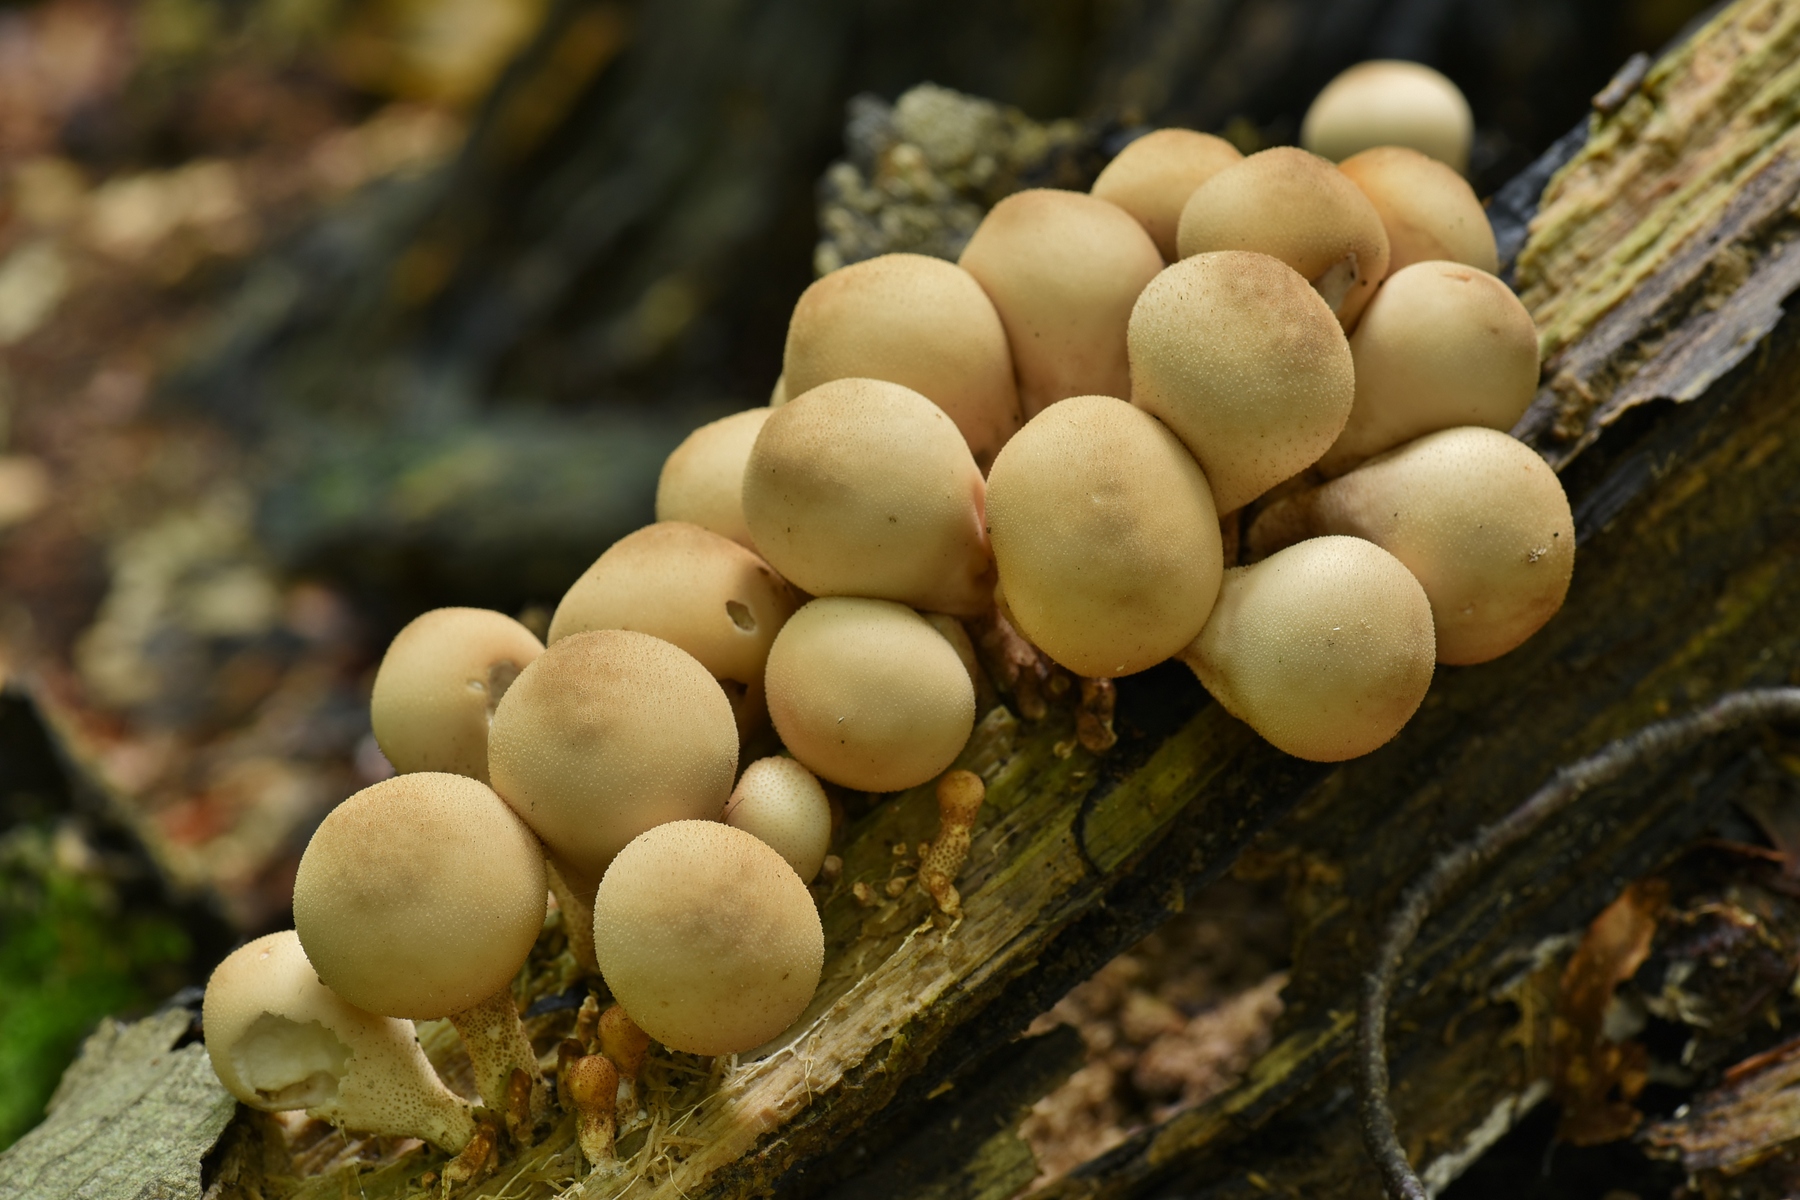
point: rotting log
(1687, 584)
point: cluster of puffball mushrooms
(1299, 360)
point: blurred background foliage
(317, 313)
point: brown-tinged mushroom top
(420, 896)
(1153, 177)
(702, 482)
(1386, 102)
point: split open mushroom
(281, 1040)
(1386, 102)
(917, 321)
(862, 487)
(1325, 649)
(694, 589)
(438, 684)
(421, 897)
(1429, 211)
(867, 694)
(702, 482)
(780, 802)
(707, 938)
(1153, 177)
(1246, 364)
(1301, 209)
(1475, 515)
(1063, 269)
(1105, 535)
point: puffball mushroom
(1299, 208)
(1442, 345)
(1475, 515)
(702, 482)
(1063, 269)
(868, 695)
(1325, 649)
(1429, 211)
(1385, 102)
(280, 1040)
(917, 321)
(421, 897)
(779, 802)
(707, 938)
(437, 686)
(1246, 364)
(694, 589)
(861, 487)
(1105, 535)
(1153, 177)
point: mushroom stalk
(959, 796)
(498, 1050)
(578, 915)
(1094, 719)
(593, 1086)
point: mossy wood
(1656, 270)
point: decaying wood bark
(1656, 269)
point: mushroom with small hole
(1246, 365)
(1105, 535)
(421, 897)
(1063, 269)
(280, 1040)
(702, 481)
(781, 802)
(1429, 211)
(1301, 209)
(1325, 649)
(694, 589)
(861, 487)
(867, 694)
(438, 684)
(707, 938)
(1386, 102)
(1478, 517)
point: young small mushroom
(707, 937)
(1105, 536)
(622, 1041)
(780, 802)
(1478, 517)
(1246, 365)
(607, 734)
(694, 589)
(421, 897)
(438, 684)
(1429, 211)
(702, 482)
(592, 1084)
(868, 695)
(1442, 345)
(917, 321)
(861, 487)
(1390, 103)
(281, 1040)
(1153, 177)
(959, 797)
(1063, 269)
(1325, 649)
(1301, 209)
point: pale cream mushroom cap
(1246, 365)
(867, 694)
(1385, 102)
(702, 482)
(778, 395)
(707, 938)
(1429, 211)
(917, 321)
(1301, 209)
(1153, 177)
(1106, 537)
(1475, 515)
(691, 588)
(607, 734)
(1063, 269)
(861, 487)
(1325, 649)
(280, 1040)
(1442, 345)
(438, 684)
(781, 803)
(420, 896)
